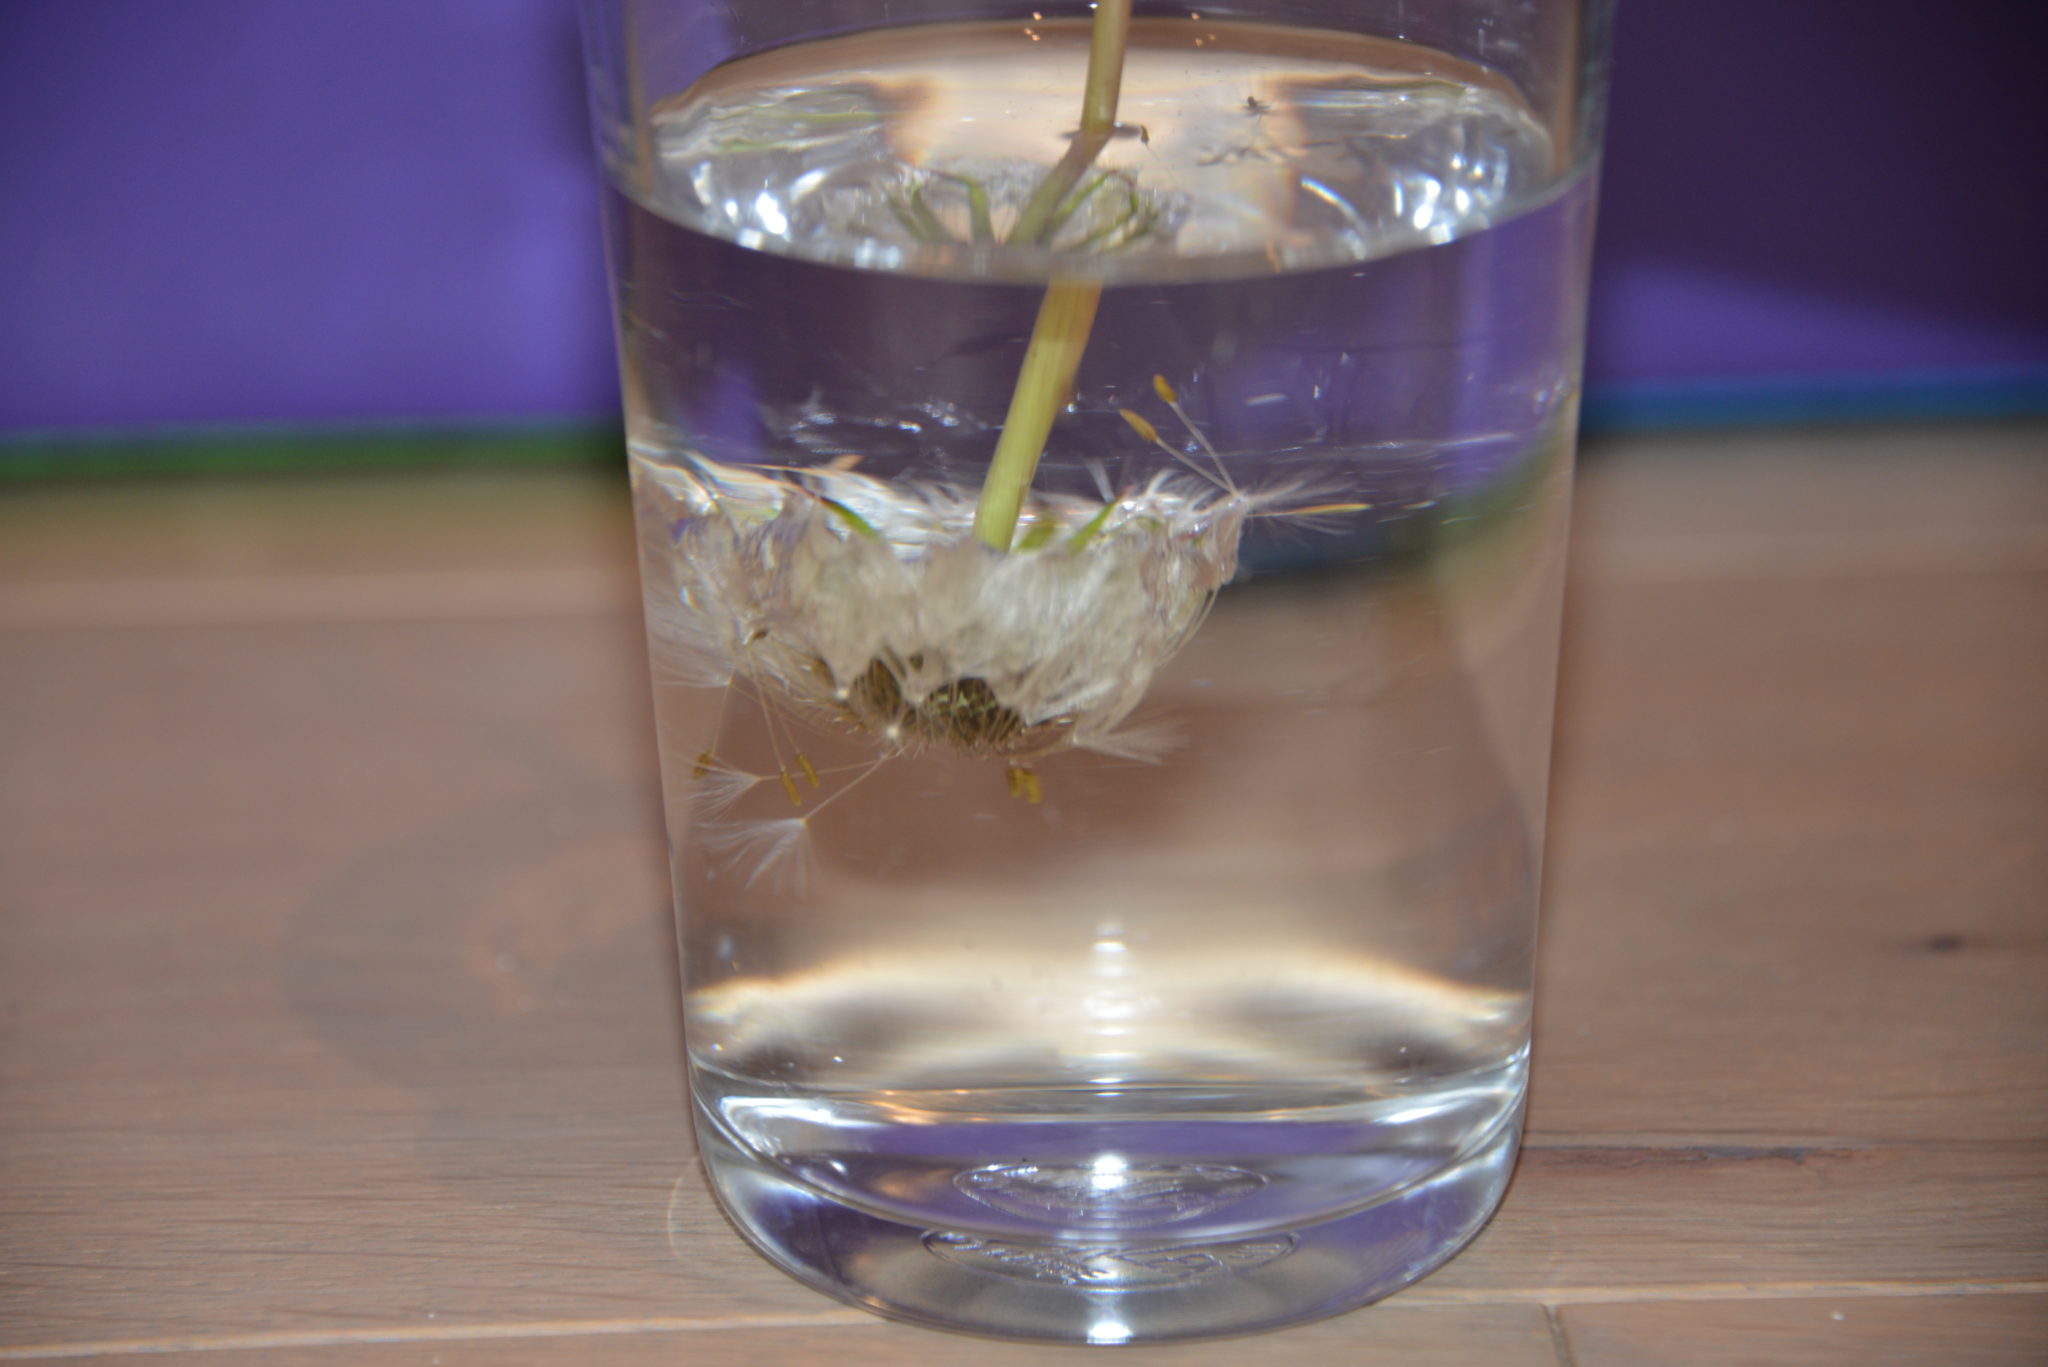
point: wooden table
(337, 1015)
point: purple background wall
(283, 210)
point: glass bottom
(1102, 1288)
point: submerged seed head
(964, 714)
(867, 605)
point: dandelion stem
(1107, 38)
(1067, 313)
(1065, 317)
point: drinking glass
(1101, 483)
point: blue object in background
(221, 211)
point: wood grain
(1435, 1336)
(1798, 871)
(337, 1017)
(1955, 1331)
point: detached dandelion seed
(775, 852)
(716, 789)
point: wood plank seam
(1756, 1146)
(1551, 1300)
(1559, 1296)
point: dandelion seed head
(905, 627)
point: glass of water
(1101, 483)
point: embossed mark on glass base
(1109, 1191)
(1108, 1268)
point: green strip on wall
(298, 450)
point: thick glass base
(1105, 1288)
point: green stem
(1065, 317)
(1107, 38)
(1067, 313)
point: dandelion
(865, 607)
(871, 609)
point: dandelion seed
(690, 670)
(718, 789)
(1100, 476)
(1147, 742)
(1321, 509)
(778, 851)
(1024, 783)
(1314, 517)
(1171, 399)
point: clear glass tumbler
(1101, 484)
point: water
(1156, 900)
